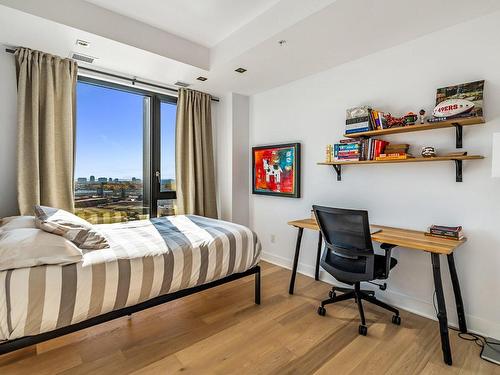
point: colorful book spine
(393, 157)
(359, 130)
(349, 146)
(445, 237)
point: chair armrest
(387, 247)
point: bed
(147, 263)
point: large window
(125, 153)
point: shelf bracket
(458, 135)
(338, 169)
(458, 170)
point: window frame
(154, 142)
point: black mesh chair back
(348, 255)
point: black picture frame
(297, 164)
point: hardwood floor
(221, 331)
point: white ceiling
(206, 22)
(320, 34)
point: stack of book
(378, 120)
(347, 150)
(395, 152)
(372, 148)
(454, 233)
(358, 120)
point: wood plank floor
(221, 331)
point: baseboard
(401, 301)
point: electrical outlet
(273, 238)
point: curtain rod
(133, 80)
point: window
(167, 206)
(125, 153)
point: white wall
(8, 136)
(399, 79)
(241, 179)
(223, 156)
(232, 157)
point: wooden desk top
(411, 239)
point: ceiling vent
(83, 58)
(182, 84)
(202, 79)
(241, 70)
(82, 43)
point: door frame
(155, 182)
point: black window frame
(156, 99)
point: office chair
(349, 257)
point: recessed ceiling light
(202, 79)
(241, 70)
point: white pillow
(71, 227)
(29, 247)
(14, 222)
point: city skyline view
(111, 160)
(110, 134)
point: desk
(413, 240)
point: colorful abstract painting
(276, 170)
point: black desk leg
(318, 257)
(257, 286)
(443, 321)
(295, 260)
(458, 295)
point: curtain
(195, 177)
(46, 93)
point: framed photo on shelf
(276, 170)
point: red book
(379, 147)
(348, 153)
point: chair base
(358, 295)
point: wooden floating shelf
(337, 165)
(457, 123)
(409, 160)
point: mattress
(146, 259)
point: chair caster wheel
(363, 330)
(321, 311)
(331, 294)
(396, 319)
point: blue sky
(109, 141)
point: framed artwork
(276, 170)
(464, 100)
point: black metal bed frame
(12, 345)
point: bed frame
(11, 345)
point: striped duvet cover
(145, 259)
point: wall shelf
(337, 165)
(457, 123)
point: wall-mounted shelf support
(458, 170)
(338, 169)
(458, 135)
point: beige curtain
(195, 177)
(46, 94)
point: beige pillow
(71, 227)
(29, 247)
(14, 222)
